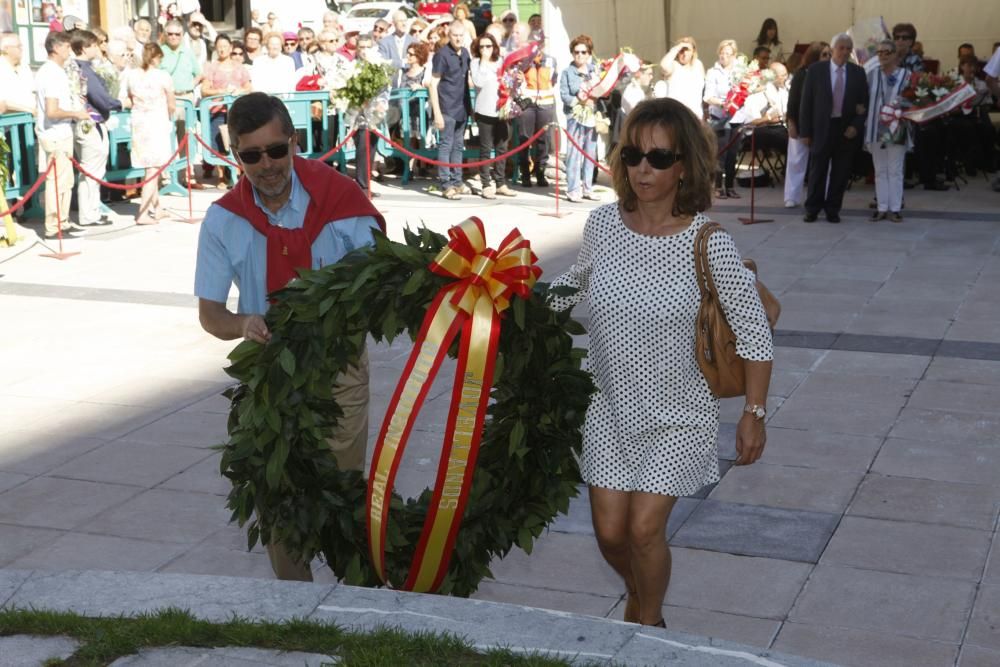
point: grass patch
(103, 640)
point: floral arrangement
(925, 88)
(747, 79)
(600, 84)
(355, 85)
(926, 97)
(77, 90)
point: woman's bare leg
(650, 555)
(147, 201)
(609, 512)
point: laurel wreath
(286, 483)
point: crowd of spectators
(445, 64)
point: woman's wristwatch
(758, 411)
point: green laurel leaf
(286, 485)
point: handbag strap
(703, 273)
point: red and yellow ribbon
(485, 281)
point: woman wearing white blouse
(683, 76)
(718, 83)
(494, 132)
(651, 428)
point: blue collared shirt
(231, 251)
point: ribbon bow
(890, 116)
(483, 271)
(471, 306)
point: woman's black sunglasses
(274, 152)
(658, 158)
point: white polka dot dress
(653, 422)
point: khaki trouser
(349, 444)
(91, 152)
(60, 150)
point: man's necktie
(838, 93)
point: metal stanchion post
(61, 254)
(753, 181)
(368, 162)
(187, 173)
(556, 214)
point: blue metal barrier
(299, 105)
(19, 129)
(210, 108)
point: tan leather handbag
(715, 342)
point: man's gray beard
(276, 190)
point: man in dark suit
(831, 123)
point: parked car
(362, 16)
(482, 15)
(481, 11)
(298, 14)
(432, 11)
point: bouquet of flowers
(928, 96)
(601, 83)
(510, 103)
(747, 79)
(77, 89)
(355, 86)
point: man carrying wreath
(284, 214)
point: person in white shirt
(637, 89)
(56, 113)
(683, 76)
(17, 85)
(273, 72)
(718, 83)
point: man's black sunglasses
(253, 156)
(658, 158)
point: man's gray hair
(842, 37)
(117, 47)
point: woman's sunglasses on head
(658, 158)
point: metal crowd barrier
(19, 130)
(329, 131)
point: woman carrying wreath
(650, 431)
(886, 144)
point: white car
(362, 16)
(298, 14)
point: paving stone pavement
(866, 534)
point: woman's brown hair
(691, 139)
(421, 51)
(582, 39)
(812, 53)
(149, 52)
(493, 40)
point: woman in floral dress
(151, 93)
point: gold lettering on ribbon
(485, 280)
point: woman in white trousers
(797, 158)
(886, 142)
